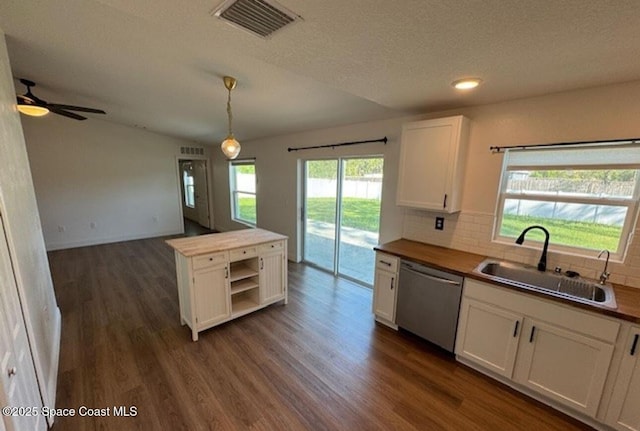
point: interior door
(201, 192)
(18, 375)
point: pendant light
(230, 147)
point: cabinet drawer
(386, 262)
(208, 260)
(242, 253)
(271, 246)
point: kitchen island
(223, 276)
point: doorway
(341, 215)
(194, 194)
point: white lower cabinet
(624, 409)
(559, 352)
(385, 288)
(489, 336)
(563, 365)
(273, 276)
(211, 294)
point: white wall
(278, 200)
(25, 241)
(607, 112)
(123, 179)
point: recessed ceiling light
(466, 83)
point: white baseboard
(99, 241)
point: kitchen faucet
(542, 265)
(605, 275)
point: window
(187, 180)
(587, 196)
(242, 184)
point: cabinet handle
(392, 280)
(226, 272)
(533, 331)
(515, 330)
(261, 263)
(634, 345)
(210, 259)
(444, 204)
(385, 262)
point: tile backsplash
(472, 232)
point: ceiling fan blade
(76, 108)
(65, 113)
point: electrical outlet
(155, 219)
(92, 225)
(440, 223)
(61, 229)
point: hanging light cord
(229, 114)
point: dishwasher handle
(432, 277)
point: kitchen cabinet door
(211, 296)
(488, 336)
(624, 409)
(432, 161)
(384, 295)
(565, 366)
(272, 276)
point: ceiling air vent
(260, 17)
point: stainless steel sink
(574, 288)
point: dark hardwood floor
(318, 363)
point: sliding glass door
(342, 215)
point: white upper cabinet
(432, 162)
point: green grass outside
(247, 209)
(357, 213)
(562, 232)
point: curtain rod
(339, 145)
(564, 144)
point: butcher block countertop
(463, 263)
(211, 243)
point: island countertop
(214, 242)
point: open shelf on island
(243, 285)
(245, 302)
(244, 269)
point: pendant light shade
(230, 146)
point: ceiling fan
(31, 105)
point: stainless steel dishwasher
(428, 303)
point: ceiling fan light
(466, 83)
(33, 110)
(230, 147)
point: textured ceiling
(158, 64)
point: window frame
(234, 191)
(632, 205)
